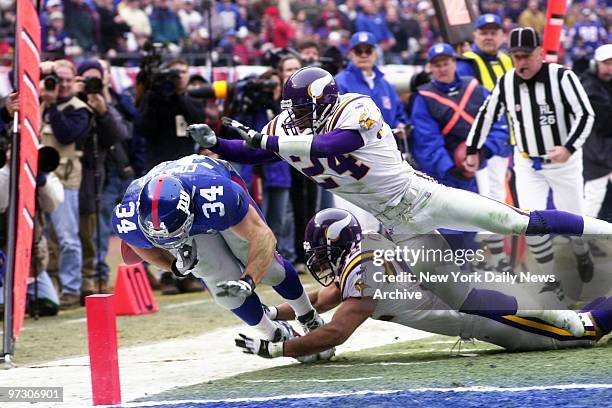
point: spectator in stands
(135, 17)
(533, 17)
(513, 10)
(56, 38)
(276, 30)
(331, 19)
(112, 25)
(65, 122)
(191, 19)
(165, 24)
(372, 19)
(82, 25)
(404, 31)
(110, 128)
(364, 77)
(229, 15)
(589, 29)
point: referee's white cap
(603, 53)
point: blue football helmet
(166, 211)
(329, 237)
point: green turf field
(410, 365)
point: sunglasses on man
(367, 51)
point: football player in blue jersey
(194, 215)
(344, 262)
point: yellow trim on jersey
(339, 110)
(347, 270)
(272, 126)
(544, 326)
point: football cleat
(564, 319)
(283, 332)
(310, 321)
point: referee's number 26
(547, 120)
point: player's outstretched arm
(349, 316)
(334, 143)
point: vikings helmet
(165, 211)
(309, 95)
(329, 236)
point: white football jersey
(372, 177)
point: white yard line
(153, 368)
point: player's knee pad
(543, 222)
(228, 302)
(291, 287)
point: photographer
(108, 128)
(65, 122)
(165, 111)
(49, 194)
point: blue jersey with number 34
(220, 198)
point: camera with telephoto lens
(161, 81)
(252, 94)
(93, 85)
(50, 82)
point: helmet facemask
(305, 116)
(162, 238)
(323, 262)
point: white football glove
(263, 348)
(186, 259)
(240, 288)
(250, 136)
(202, 134)
(322, 356)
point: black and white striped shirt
(551, 109)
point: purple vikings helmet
(165, 211)
(309, 95)
(329, 236)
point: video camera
(152, 76)
(50, 81)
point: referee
(551, 117)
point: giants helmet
(165, 211)
(309, 95)
(330, 235)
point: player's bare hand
(202, 134)
(559, 154)
(471, 163)
(250, 136)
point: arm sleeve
(334, 143)
(112, 127)
(488, 113)
(499, 136)
(583, 115)
(236, 151)
(69, 125)
(429, 149)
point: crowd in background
(142, 126)
(241, 31)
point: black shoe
(84, 294)
(310, 321)
(585, 267)
(44, 307)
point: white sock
(266, 327)
(301, 305)
(594, 226)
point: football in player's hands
(202, 134)
(250, 136)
